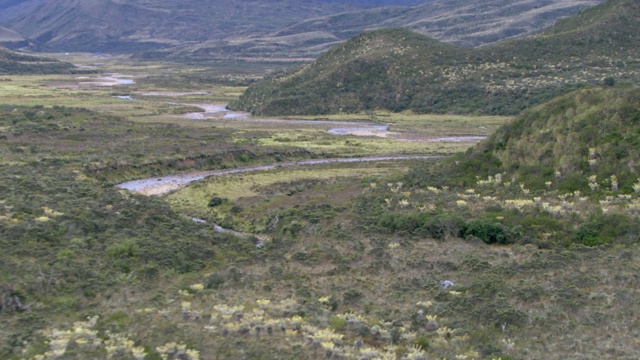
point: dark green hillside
(15, 63)
(579, 150)
(415, 73)
(380, 69)
(563, 173)
(584, 133)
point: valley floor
(346, 259)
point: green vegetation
(561, 173)
(76, 247)
(523, 246)
(587, 133)
(399, 70)
(15, 63)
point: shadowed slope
(15, 63)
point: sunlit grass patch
(356, 145)
(195, 199)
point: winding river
(159, 186)
(163, 185)
(353, 128)
(333, 127)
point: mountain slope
(11, 39)
(500, 79)
(457, 22)
(375, 69)
(609, 29)
(110, 25)
(259, 28)
(15, 63)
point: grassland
(248, 198)
(164, 81)
(348, 259)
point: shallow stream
(162, 185)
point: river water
(159, 186)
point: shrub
(422, 343)
(125, 249)
(216, 201)
(442, 225)
(214, 281)
(400, 222)
(604, 229)
(337, 323)
(487, 231)
(352, 296)
(609, 81)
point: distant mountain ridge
(454, 21)
(11, 39)
(138, 25)
(379, 2)
(400, 70)
(259, 28)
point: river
(162, 185)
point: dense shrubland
(563, 172)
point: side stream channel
(163, 185)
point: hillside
(456, 22)
(131, 26)
(562, 173)
(412, 72)
(590, 132)
(16, 63)
(207, 29)
(575, 142)
(363, 73)
(605, 30)
(11, 39)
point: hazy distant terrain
(259, 28)
(18, 63)
(458, 22)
